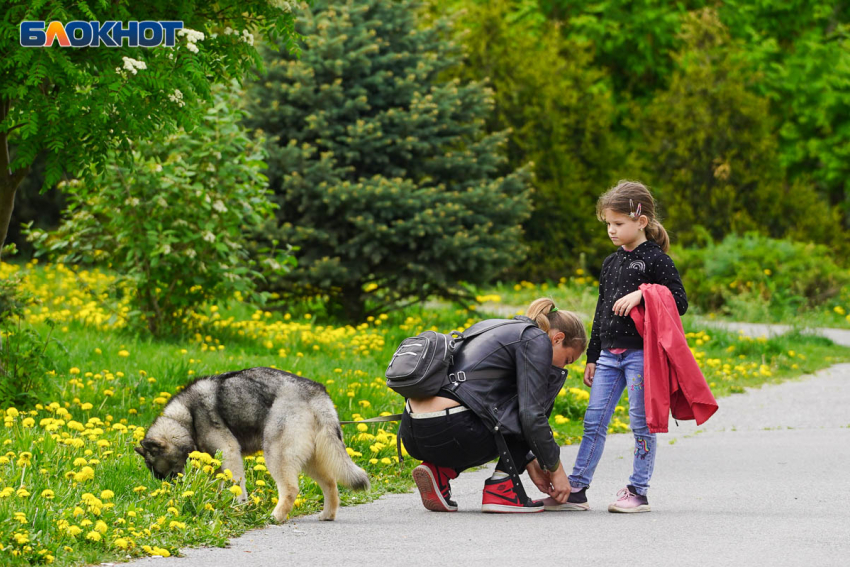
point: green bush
(779, 277)
(386, 179)
(26, 356)
(174, 224)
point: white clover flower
(133, 65)
(209, 236)
(220, 207)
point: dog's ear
(153, 446)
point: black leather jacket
(508, 380)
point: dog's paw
(327, 516)
(280, 515)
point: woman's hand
(623, 305)
(560, 489)
(589, 372)
(539, 477)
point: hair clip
(554, 309)
(636, 214)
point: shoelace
(624, 493)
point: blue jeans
(615, 372)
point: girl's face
(624, 230)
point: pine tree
(387, 182)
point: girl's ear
(643, 221)
(558, 337)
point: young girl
(615, 353)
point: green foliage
(633, 39)
(785, 277)
(709, 149)
(78, 105)
(384, 175)
(174, 223)
(558, 107)
(24, 357)
(801, 51)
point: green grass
(111, 383)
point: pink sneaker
(629, 502)
(434, 488)
(577, 502)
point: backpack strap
(462, 337)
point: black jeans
(458, 441)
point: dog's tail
(332, 450)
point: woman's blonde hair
(543, 312)
(624, 198)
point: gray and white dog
(292, 419)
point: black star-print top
(622, 273)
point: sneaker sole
(642, 508)
(508, 509)
(568, 507)
(431, 498)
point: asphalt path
(763, 482)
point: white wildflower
(192, 47)
(209, 236)
(219, 206)
(191, 35)
(177, 97)
(162, 202)
(228, 30)
(133, 65)
(190, 252)
(285, 6)
(166, 249)
(132, 201)
(247, 37)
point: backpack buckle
(461, 376)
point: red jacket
(673, 382)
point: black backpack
(420, 364)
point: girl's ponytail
(538, 310)
(544, 313)
(656, 232)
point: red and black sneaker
(434, 487)
(500, 497)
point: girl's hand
(623, 305)
(589, 371)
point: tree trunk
(9, 180)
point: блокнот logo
(94, 34)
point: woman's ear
(558, 337)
